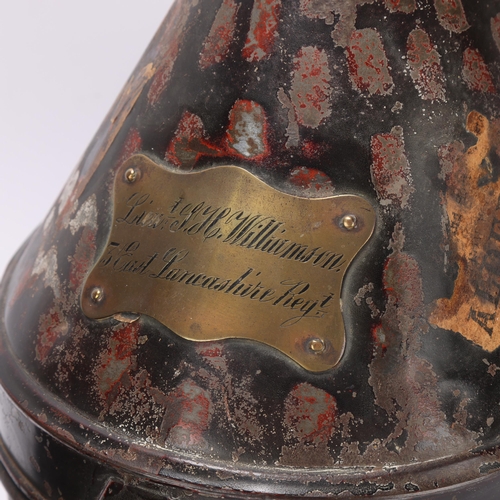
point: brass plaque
(219, 254)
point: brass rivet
(131, 175)
(96, 294)
(349, 222)
(316, 345)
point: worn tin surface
(393, 101)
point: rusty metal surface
(392, 101)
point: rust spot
(310, 415)
(368, 65)
(246, 134)
(189, 143)
(495, 29)
(188, 414)
(116, 360)
(216, 45)
(51, 328)
(425, 66)
(344, 11)
(472, 204)
(475, 72)
(263, 30)
(311, 89)
(406, 6)
(390, 170)
(311, 179)
(451, 15)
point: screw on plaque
(317, 346)
(96, 294)
(349, 222)
(131, 174)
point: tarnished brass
(219, 254)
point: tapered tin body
(276, 271)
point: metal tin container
(276, 271)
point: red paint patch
(83, 259)
(189, 412)
(390, 169)
(116, 360)
(263, 30)
(311, 89)
(475, 72)
(451, 15)
(246, 135)
(312, 150)
(213, 354)
(310, 178)
(51, 327)
(367, 61)
(190, 143)
(495, 29)
(310, 414)
(406, 6)
(133, 143)
(425, 66)
(218, 41)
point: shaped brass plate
(219, 254)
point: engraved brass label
(219, 254)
